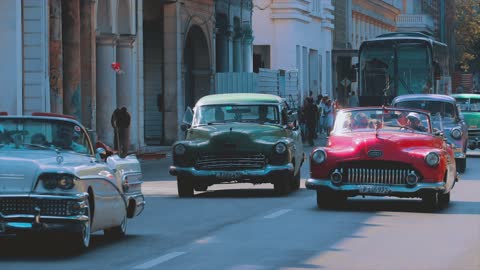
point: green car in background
(238, 138)
(470, 107)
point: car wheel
(461, 164)
(444, 199)
(80, 241)
(185, 187)
(117, 232)
(282, 185)
(329, 199)
(431, 201)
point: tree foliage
(467, 32)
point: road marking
(159, 260)
(278, 213)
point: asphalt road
(246, 227)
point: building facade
(88, 58)
(297, 35)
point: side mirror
(100, 154)
(437, 132)
(188, 116)
(184, 127)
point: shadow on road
(246, 193)
(369, 205)
(46, 247)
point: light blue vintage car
(51, 180)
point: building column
(126, 84)
(174, 94)
(71, 58)
(230, 36)
(248, 50)
(237, 51)
(87, 43)
(106, 86)
(56, 57)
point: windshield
(379, 61)
(469, 104)
(369, 120)
(41, 134)
(445, 109)
(217, 114)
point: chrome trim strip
(246, 172)
(77, 217)
(79, 196)
(312, 183)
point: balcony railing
(416, 22)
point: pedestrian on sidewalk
(310, 113)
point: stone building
(87, 58)
(296, 35)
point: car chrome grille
(376, 176)
(26, 206)
(230, 161)
(473, 133)
(379, 172)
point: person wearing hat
(414, 122)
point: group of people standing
(317, 117)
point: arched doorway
(196, 66)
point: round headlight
(66, 181)
(179, 149)
(456, 133)
(319, 156)
(432, 159)
(280, 148)
(49, 182)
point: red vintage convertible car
(383, 151)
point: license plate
(373, 189)
(228, 175)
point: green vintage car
(470, 106)
(239, 138)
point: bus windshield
(413, 68)
(390, 68)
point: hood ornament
(375, 153)
(59, 158)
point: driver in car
(414, 122)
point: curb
(151, 156)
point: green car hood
(472, 119)
(235, 136)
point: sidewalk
(153, 152)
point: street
(245, 227)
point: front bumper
(19, 213)
(393, 190)
(220, 176)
